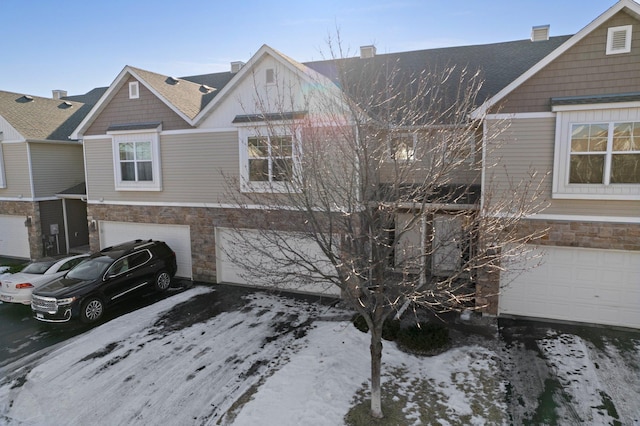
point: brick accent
(202, 222)
(27, 208)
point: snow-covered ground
(282, 361)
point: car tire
(163, 281)
(91, 310)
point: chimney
(540, 33)
(367, 51)
(235, 66)
(57, 94)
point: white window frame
(247, 185)
(270, 76)
(567, 117)
(390, 149)
(3, 180)
(137, 136)
(134, 90)
(611, 48)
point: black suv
(104, 278)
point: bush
(390, 327)
(424, 339)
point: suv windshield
(38, 267)
(90, 269)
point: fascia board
(629, 5)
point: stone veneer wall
(597, 235)
(202, 222)
(27, 208)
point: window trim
(561, 188)
(246, 185)
(118, 137)
(391, 153)
(611, 49)
(3, 179)
(134, 90)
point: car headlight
(67, 301)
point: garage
(230, 245)
(14, 237)
(576, 284)
(178, 237)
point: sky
(77, 45)
(247, 367)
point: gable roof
(42, 119)
(628, 6)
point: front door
(447, 245)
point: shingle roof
(41, 118)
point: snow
(282, 361)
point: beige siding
(528, 145)
(16, 171)
(584, 69)
(193, 165)
(147, 108)
(56, 167)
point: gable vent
(540, 33)
(619, 40)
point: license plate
(39, 316)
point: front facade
(168, 158)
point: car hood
(64, 287)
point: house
(576, 115)
(159, 152)
(40, 168)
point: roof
(37, 118)
(77, 191)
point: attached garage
(178, 237)
(576, 284)
(229, 247)
(14, 237)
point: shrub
(424, 339)
(390, 327)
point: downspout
(65, 223)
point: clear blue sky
(76, 45)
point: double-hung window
(402, 147)
(137, 161)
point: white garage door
(14, 237)
(574, 284)
(176, 236)
(230, 247)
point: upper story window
(134, 90)
(3, 182)
(402, 147)
(597, 154)
(619, 39)
(137, 161)
(268, 162)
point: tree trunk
(376, 365)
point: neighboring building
(159, 152)
(37, 162)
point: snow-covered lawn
(275, 360)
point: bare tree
(365, 176)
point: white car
(17, 288)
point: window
(137, 161)
(134, 90)
(605, 153)
(402, 147)
(269, 162)
(619, 39)
(3, 182)
(270, 76)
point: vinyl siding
(528, 145)
(193, 165)
(584, 69)
(16, 171)
(56, 167)
(147, 108)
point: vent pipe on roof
(540, 33)
(235, 66)
(367, 51)
(57, 94)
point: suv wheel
(92, 310)
(163, 281)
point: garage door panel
(236, 272)
(178, 237)
(14, 237)
(577, 284)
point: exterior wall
(584, 69)
(202, 222)
(16, 163)
(56, 167)
(147, 108)
(27, 208)
(528, 144)
(192, 164)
